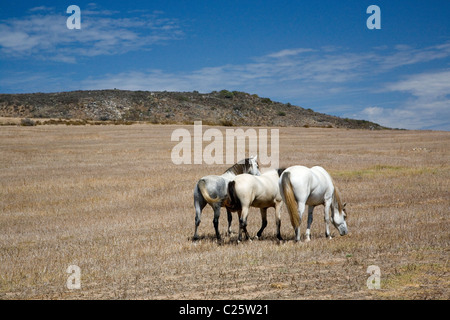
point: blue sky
(316, 54)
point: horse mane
(337, 198)
(239, 168)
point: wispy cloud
(331, 70)
(427, 108)
(41, 9)
(406, 55)
(434, 85)
(300, 68)
(326, 75)
(289, 52)
(43, 34)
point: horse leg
(243, 224)
(278, 219)
(327, 219)
(230, 218)
(240, 226)
(263, 220)
(301, 209)
(310, 220)
(216, 220)
(199, 204)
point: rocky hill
(215, 108)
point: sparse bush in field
(75, 122)
(281, 113)
(226, 94)
(226, 123)
(27, 122)
(182, 98)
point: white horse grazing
(300, 186)
(256, 191)
(212, 190)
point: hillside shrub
(27, 122)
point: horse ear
(345, 203)
(255, 157)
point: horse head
(339, 216)
(252, 166)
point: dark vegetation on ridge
(226, 108)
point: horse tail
(289, 198)
(235, 202)
(202, 187)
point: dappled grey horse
(212, 190)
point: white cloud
(15, 40)
(289, 52)
(301, 71)
(432, 85)
(428, 108)
(41, 8)
(406, 55)
(45, 35)
(409, 116)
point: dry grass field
(109, 200)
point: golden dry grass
(109, 199)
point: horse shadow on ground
(233, 239)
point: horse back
(323, 183)
(216, 186)
(309, 184)
(258, 191)
(323, 176)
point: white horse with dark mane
(301, 186)
(212, 190)
(256, 191)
